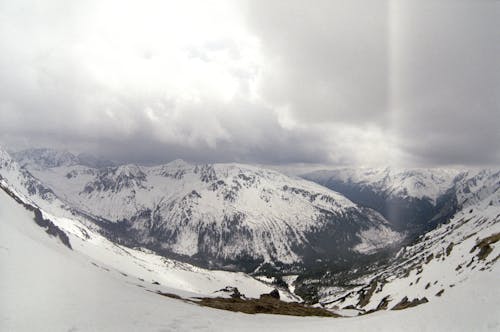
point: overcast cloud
(276, 82)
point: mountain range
(230, 216)
(351, 240)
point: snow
(420, 183)
(189, 198)
(46, 286)
(375, 238)
(290, 281)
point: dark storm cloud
(447, 83)
(345, 82)
(273, 150)
(327, 60)
(427, 73)
(237, 132)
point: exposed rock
(366, 294)
(485, 246)
(384, 303)
(404, 303)
(449, 249)
(275, 294)
(234, 292)
(266, 304)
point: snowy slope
(219, 215)
(47, 286)
(440, 260)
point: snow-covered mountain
(412, 200)
(221, 215)
(420, 183)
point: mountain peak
(130, 170)
(178, 163)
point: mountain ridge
(220, 215)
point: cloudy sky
(274, 82)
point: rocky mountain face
(230, 216)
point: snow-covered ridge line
(420, 183)
(48, 225)
(220, 213)
(414, 201)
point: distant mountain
(419, 183)
(231, 216)
(42, 158)
(412, 200)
